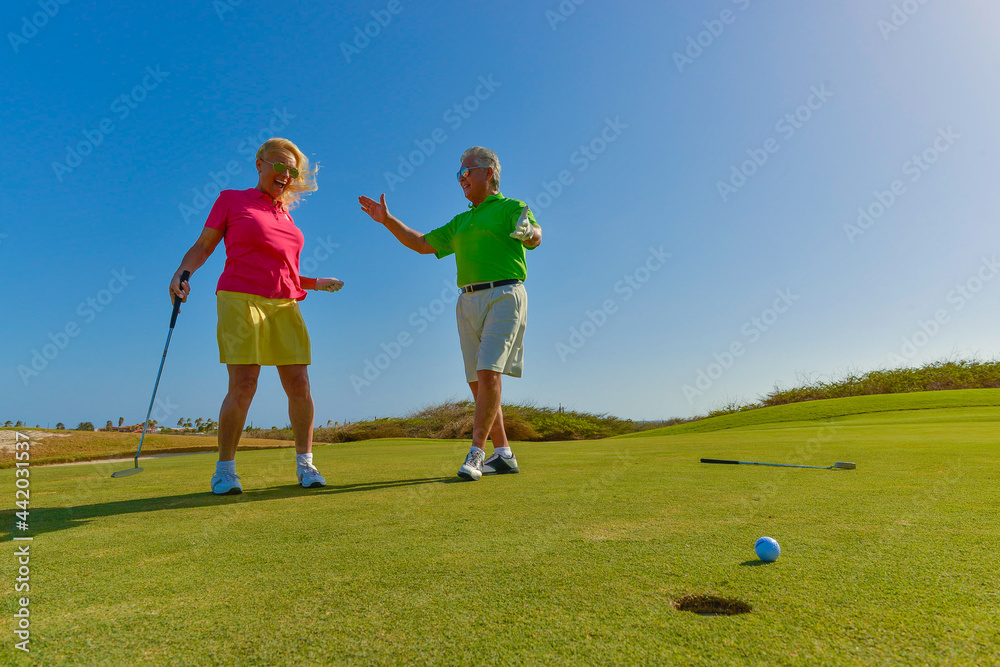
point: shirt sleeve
(218, 217)
(441, 238)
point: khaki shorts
(491, 325)
(265, 332)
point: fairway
(577, 560)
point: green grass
(574, 561)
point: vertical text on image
(22, 500)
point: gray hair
(485, 158)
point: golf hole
(710, 605)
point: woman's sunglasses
(281, 167)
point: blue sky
(699, 170)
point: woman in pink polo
(258, 294)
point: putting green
(579, 559)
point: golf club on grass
(839, 465)
(173, 320)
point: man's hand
(328, 284)
(524, 232)
(378, 211)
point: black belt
(495, 283)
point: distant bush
(935, 376)
(454, 420)
(85, 426)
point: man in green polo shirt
(488, 241)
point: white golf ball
(767, 549)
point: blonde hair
(485, 158)
(305, 183)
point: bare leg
(233, 415)
(487, 407)
(497, 434)
(295, 380)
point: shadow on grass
(52, 519)
(755, 563)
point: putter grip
(177, 301)
(719, 461)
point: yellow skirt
(265, 332)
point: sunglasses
(464, 171)
(281, 167)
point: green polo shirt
(480, 239)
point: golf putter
(173, 320)
(839, 465)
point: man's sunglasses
(464, 171)
(281, 167)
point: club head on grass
(843, 465)
(127, 472)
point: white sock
(304, 459)
(226, 466)
(503, 451)
(474, 449)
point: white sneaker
(226, 484)
(309, 477)
(500, 465)
(472, 469)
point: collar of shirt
(273, 202)
(498, 195)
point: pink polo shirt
(262, 245)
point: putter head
(127, 472)
(843, 465)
